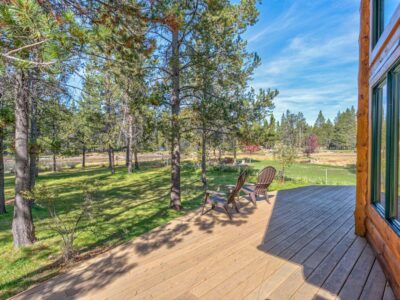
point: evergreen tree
(344, 133)
(320, 130)
(175, 25)
(31, 38)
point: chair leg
(204, 206)
(204, 212)
(266, 196)
(253, 198)
(235, 205)
(227, 212)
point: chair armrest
(230, 187)
(215, 193)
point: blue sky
(309, 52)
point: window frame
(378, 21)
(376, 152)
(390, 211)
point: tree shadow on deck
(171, 234)
(88, 277)
(101, 271)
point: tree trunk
(54, 163)
(22, 226)
(84, 157)
(129, 145)
(2, 195)
(175, 126)
(33, 146)
(234, 151)
(203, 159)
(111, 160)
(135, 154)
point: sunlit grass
(132, 204)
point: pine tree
(175, 24)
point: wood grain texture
(363, 119)
(301, 245)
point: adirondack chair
(219, 199)
(264, 180)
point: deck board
(300, 245)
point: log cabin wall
(377, 58)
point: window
(383, 11)
(385, 150)
(379, 144)
(396, 98)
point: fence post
(326, 176)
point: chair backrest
(265, 178)
(239, 184)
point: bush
(67, 226)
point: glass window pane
(383, 118)
(389, 7)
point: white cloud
(312, 61)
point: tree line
(339, 134)
(122, 75)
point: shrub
(68, 225)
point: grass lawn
(132, 204)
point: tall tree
(175, 25)
(32, 37)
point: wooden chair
(218, 199)
(264, 180)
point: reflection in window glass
(383, 118)
(396, 98)
(389, 7)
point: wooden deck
(300, 245)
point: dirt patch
(332, 158)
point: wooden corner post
(363, 120)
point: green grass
(132, 205)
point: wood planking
(375, 285)
(298, 246)
(168, 270)
(209, 268)
(323, 269)
(288, 251)
(388, 293)
(178, 265)
(354, 284)
(284, 292)
(314, 249)
(337, 278)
